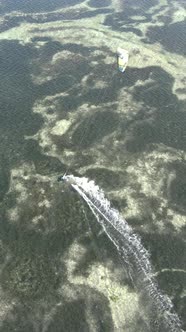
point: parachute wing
(122, 58)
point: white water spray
(129, 246)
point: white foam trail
(129, 246)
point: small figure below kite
(123, 57)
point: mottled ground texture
(65, 107)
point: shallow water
(65, 107)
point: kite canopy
(123, 57)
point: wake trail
(130, 248)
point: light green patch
(102, 278)
(61, 127)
